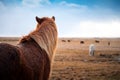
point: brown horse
(31, 58)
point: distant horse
(31, 58)
(91, 50)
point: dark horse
(31, 58)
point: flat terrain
(72, 61)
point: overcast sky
(74, 18)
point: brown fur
(31, 58)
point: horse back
(35, 61)
(9, 62)
(26, 61)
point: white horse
(91, 49)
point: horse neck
(46, 38)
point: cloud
(96, 29)
(72, 5)
(35, 3)
(73, 20)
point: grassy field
(72, 61)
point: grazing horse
(91, 50)
(31, 58)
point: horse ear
(38, 19)
(53, 18)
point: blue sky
(74, 18)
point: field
(72, 61)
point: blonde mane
(46, 37)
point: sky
(74, 18)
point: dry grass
(72, 61)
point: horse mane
(45, 35)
